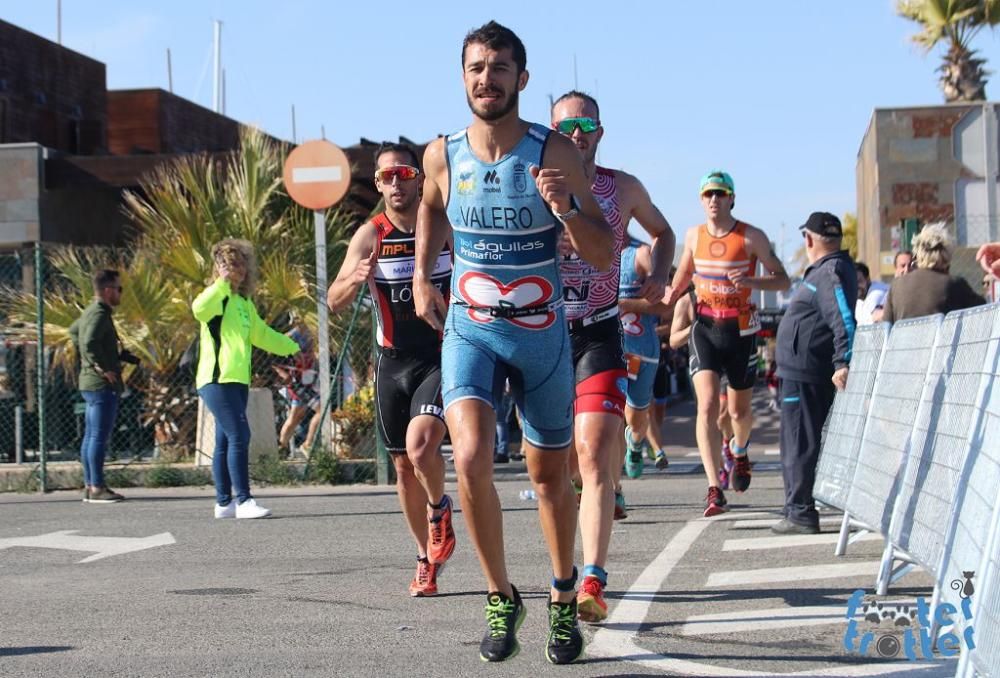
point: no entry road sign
(317, 175)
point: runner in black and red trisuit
(408, 360)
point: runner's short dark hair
(391, 147)
(863, 268)
(497, 37)
(576, 94)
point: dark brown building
(69, 147)
(50, 95)
(156, 121)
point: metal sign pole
(40, 367)
(323, 317)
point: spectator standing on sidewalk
(230, 328)
(929, 288)
(871, 296)
(100, 381)
(813, 352)
(902, 263)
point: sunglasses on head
(715, 193)
(586, 125)
(401, 172)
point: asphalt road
(320, 589)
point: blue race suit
(505, 319)
(642, 346)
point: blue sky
(779, 93)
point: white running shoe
(250, 509)
(227, 511)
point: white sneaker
(227, 511)
(250, 509)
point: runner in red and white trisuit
(591, 300)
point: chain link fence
(297, 435)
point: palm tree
(963, 77)
(149, 321)
(188, 206)
(183, 208)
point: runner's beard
(490, 116)
(407, 203)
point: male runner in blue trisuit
(506, 188)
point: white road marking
(104, 547)
(772, 452)
(787, 541)
(739, 516)
(777, 575)
(616, 638)
(748, 524)
(739, 621)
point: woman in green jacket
(230, 327)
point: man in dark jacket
(813, 352)
(100, 382)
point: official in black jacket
(813, 353)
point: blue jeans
(503, 419)
(231, 459)
(99, 421)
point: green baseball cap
(717, 180)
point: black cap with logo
(824, 224)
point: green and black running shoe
(565, 643)
(504, 617)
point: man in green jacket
(100, 381)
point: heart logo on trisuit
(631, 325)
(481, 289)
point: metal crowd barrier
(975, 541)
(938, 445)
(846, 424)
(893, 408)
(927, 466)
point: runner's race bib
(633, 363)
(749, 322)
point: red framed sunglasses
(401, 172)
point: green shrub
(324, 468)
(198, 476)
(268, 468)
(163, 475)
(355, 421)
(122, 477)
